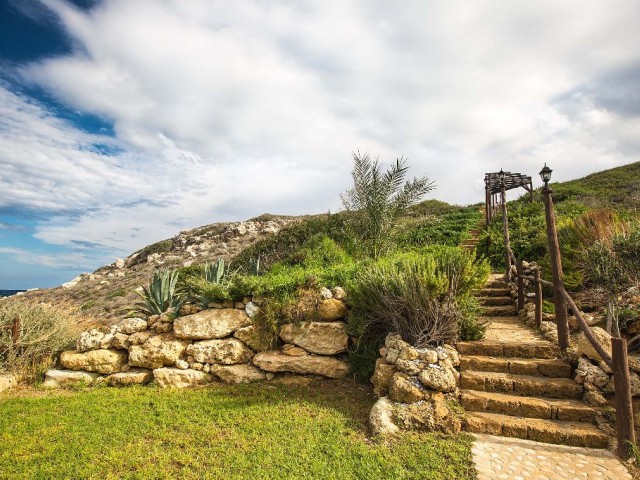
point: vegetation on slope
(227, 432)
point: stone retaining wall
(201, 346)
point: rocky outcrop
(276, 361)
(99, 361)
(324, 338)
(227, 351)
(215, 323)
(176, 378)
(157, 351)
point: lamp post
(556, 261)
(505, 225)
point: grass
(273, 431)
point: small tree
(378, 198)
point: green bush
(45, 330)
(417, 295)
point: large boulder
(276, 361)
(382, 377)
(134, 376)
(176, 378)
(381, 418)
(69, 378)
(253, 336)
(324, 338)
(101, 361)
(214, 323)
(157, 351)
(585, 347)
(331, 309)
(227, 351)
(438, 378)
(237, 373)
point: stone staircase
(513, 382)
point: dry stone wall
(202, 346)
(416, 388)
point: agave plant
(215, 273)
(161, 295)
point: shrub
(45, 330)
(161, 294)
(418, 296)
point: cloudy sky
(123, 122)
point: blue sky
(124, 122)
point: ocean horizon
(8, 293)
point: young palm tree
(378, 198)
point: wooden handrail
(533, 279)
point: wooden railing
(617, 361)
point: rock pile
(200, 346)
(413, 385)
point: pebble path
(514, 459)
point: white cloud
(223, 110)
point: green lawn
(255, 432)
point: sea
(8, 293)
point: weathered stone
(338, 293)
(176, 378)
(251, 309)
(409, 353)
(381, 418)
(410, 367)
(227, 351)
(157, 351)
(182, 365)
(294, 351)
(101, 361)
(7, 382)
(276, 361)
(69, 378)
(432, 415)
(211, 324)
(454, 356)
(132, 325)
(392, 355)
(382, 377)
(135, 376)
(140, 337)
(438, 378)
(325, 293)
(237, 373)
(393, 341)
(585, 347)
(255, 338)
(94, 339)
(429, 356)
(121, 341)
(405, 389)
(195, 366)
(324, 338)
(331, 309)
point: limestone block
(381, 418)
(324, 338)
(215, 323)
(69, 378)
(405, 389)
(226, 351)
(176, 378)
(438, 378)
(276, 361)
(237, 373)
(134, 376)
(157, 351)
(132, 325)
(253, 337)
(101, 361)
(382, 377)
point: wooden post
(556, 271)
(538, 298)
(15, 331)
(624, 407)
(520, 272)
(505, 231)
(487, 206)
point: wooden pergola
(496, 185)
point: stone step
(529, 407)
(545, 367)
(493, 292)
(491, 301)
(499, 311)
(541, 349)
(496, 281)
(547, 431)
(521, 385)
